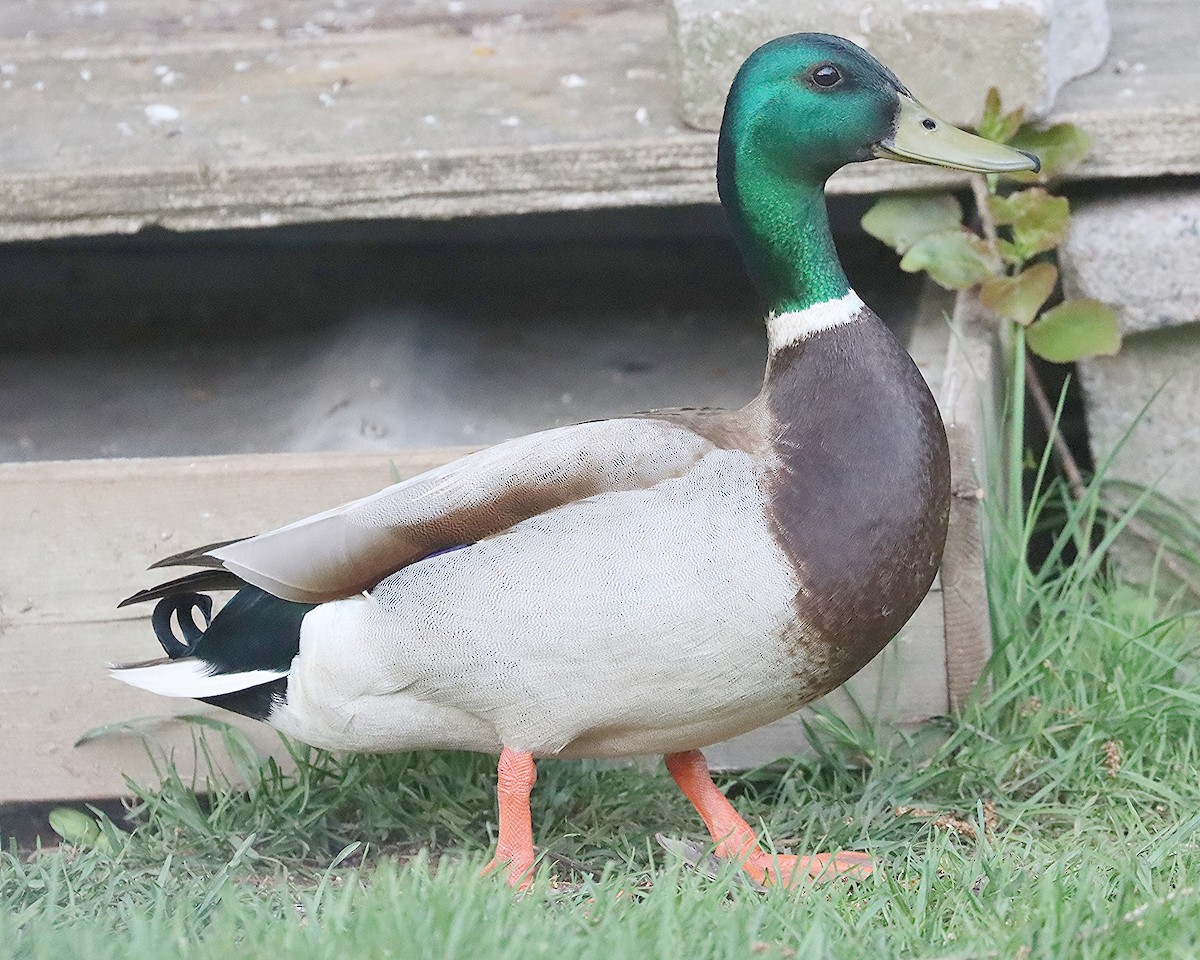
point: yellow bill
(922, 137)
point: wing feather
(351, 548)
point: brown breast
(860, 492)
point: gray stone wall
(1139, 251)
(948, 52)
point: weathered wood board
(205, 115)
(78, 537)
(969, 403)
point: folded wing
(351, 548)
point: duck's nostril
(929, 124)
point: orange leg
(736, 841)
(514, 846)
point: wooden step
(207, 115)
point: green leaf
(901, 219)
(1010, 124)
(1038, 219)
(996, 125)
(1019, 298)
(955, 259)
(1058, 147)
(1009, 252)
(989, 123)
(77, 828)
(1074, 329)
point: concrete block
(1164, 447)
(1138, 251)
(948, 52)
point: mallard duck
(649, 584)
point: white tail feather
(191, 678)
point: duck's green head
(810, 103)
(801, 107)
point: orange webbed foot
(518, 867)
(736, 841)
(788, 870)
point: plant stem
(981, 192)
(1066, 459)
(1026, 378)
(1016, 452)
(1033, 382)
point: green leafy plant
(1010, 257)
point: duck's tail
(238, 660)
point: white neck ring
(786, 329)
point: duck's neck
(782, 227)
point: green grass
(1057, 816)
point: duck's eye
(827, 75)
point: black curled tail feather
(180, 607)
(253, 631)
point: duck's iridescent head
(810, 103)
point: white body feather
(645, 621)
(653, 614)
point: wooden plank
(407, 110)
(79, 535)
(968, 404)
